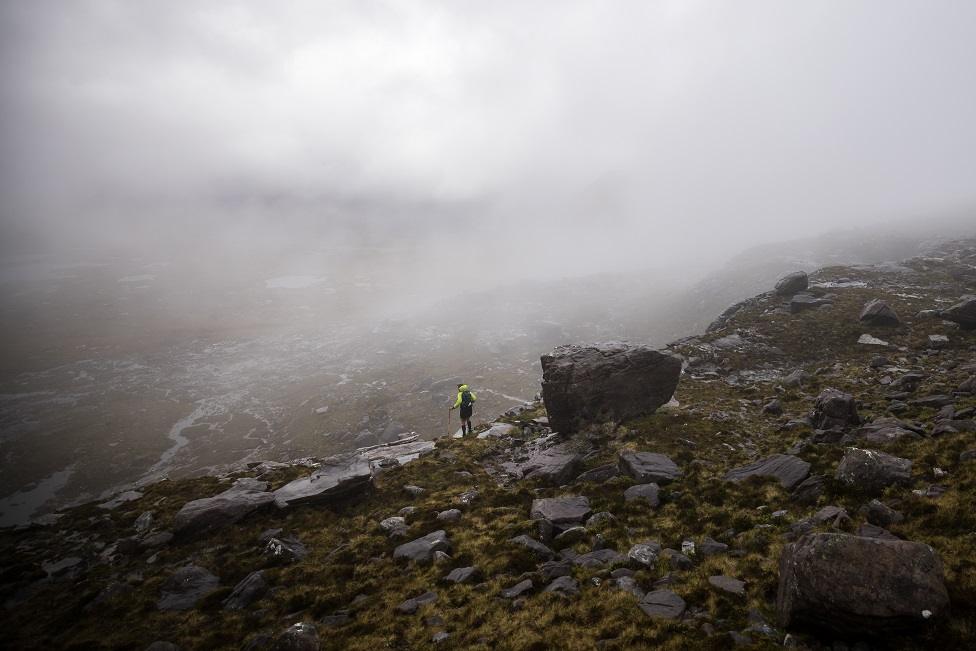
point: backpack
(466, 400)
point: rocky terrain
(809, 485)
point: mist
(232, 232)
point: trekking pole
(449, 432)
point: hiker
(465, 400)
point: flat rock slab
(662, 604)
(498, 430)
(336, 478)
(599, 474)
(963, 313)
(564, 585)
(561, 511)
(645, 553)
(787, 469)
(534, 546)
(462, 575)
(648, 467)
(728, 584)
(185, 587)
(871, 470)
(249, 590)
(585, 385)
(601, 558)
(849, 585)
(211, 513)
(556, 465)
(518, 589)
(422, 549)
(410, 606)
(646, 492)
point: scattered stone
(797, 378)
(450, 515)
(422, 549)
(773, 407)
(185, 587)
(247, 591)
(677, 560)
(662, 604)
(880, 361)
(518, 589)
(571, 536)
(599, 474)
(553, 569)
(834, 409)
(583, 385)
(792, 283)
(462, 575)
(878, 313)
(498, 430)
(728, 584)
(802, 302)
(407, 511)
(413, 491)
(285, 550)
(963, 313)
(556, 465)
(600, 558)
(809, 490)
(645, 553)
(871, 470)
(144, 522)
(440, 636)
(933, 402)
(411, 606)
(156, 540)
(880, 514)
(647, 467)
(335, 479)
(868, 340)
(564, 584)
(645, 492)
(534, 546)
(211, 513)
(938, 342)
(884, 430)
(628, 584)
(563, 512)
(849, 585)
(711, 547)
(395, 526)
(597, 519)
(867, 530)
(785, 468)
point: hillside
(129, 573)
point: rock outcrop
(585, 385)
(792, 283)
(834, 410)
(336, 478)
(878, 313)
(963, 313)
(648, 467)
(211, 513)
(787, 469)
(872, 471)
(854, 586)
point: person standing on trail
(465, 400)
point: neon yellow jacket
(462, 389)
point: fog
(234, 231)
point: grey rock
(185, 587)
(792, 283)
(878, 313)
(934, 401)
(518, 589)
(849, 585)
(410, 606)
(600, 558)
(884, 430)
(773, 407)
(677, 560)
(834, 409)
(120, 499)
(802, 302)
(155, 540)
(450, 515)
(571, 536)
(440, 636)
(880, 514)
(554, 569)
(462, 575)
(963, 313)
(535, 547)
(870, 470)
(556, 465)
(249, 590)
(564, 584)
(647, 467)
(211, 513)
(561, 511)
(394, 526)
(709, 547)
(809, 490)
(298, 637)
(787, 469)
(728, 584)
(662, 604)
(583, 385)
(645, 492)
(868, 530)
(629, 584)
(645, 553)
(413, 491)
(600, 474)
(336, 478)
(144, 522)
(967, 455)
(797, 378)
(597, 519)
(422, 549)
(285, 550)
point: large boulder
(583, 385)
(878, 313)
(211, 513)
(336, 478)
(834, 409)
(788, 470)
(873, 471)
(422, 549)
(648, 467)
(561, 511)
(185, 587)
(792, 283)
(963, 313)
(850, 585)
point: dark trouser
(466, 412)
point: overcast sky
(657, 127)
